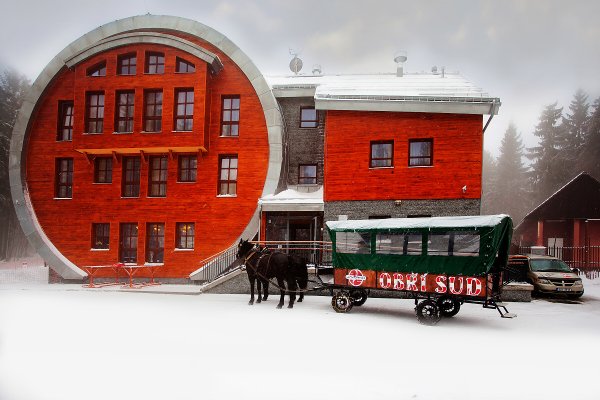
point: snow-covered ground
(90, 344)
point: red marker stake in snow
(355, 277)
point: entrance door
(300, 231)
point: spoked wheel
(448, 306)
(428, 312)
(341, 302)
(359, 296)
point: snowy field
(60, 343)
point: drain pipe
(492, 107)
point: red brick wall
(457, 156)
(67, 222)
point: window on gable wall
(65, 121)
(228, 171)
(94, 112)
(230, 116)
(153, 102)
(157, 176)
(155, 243)
(184, 67)
(100, 235)
(131, 177)
(307, 174)
(382, 154)
(185, 235)
(184, 109)
(97, 69)
(420, 152)
(127, 64)
(187, 166)
(155, 63)
(64, 178)
(103, 170)
(124, 111)
(308, 117)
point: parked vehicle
(548, 275)
(441, 261)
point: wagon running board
(501, 307)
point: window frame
(60, 169)
(107, 169)
(134, 183)
(97, 70)
(178, 61)
(98, 244)
(62, 125)
(185, 117)
(186, 236)
(411, 157)
(371, 158)
(159, 184)
(153, 242)
(228, 181)
(98, 122)
(190, 171)
(128, 107)
(230, 122)
(149, 65)
(130, 240)
(300, 177)
(124, 62)
(303, 121)
(152, 118)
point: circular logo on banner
(355, 277)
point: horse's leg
(281, 284)
(302, 285)
(292, 292)
(251, 279)
(265, 289)
(258, 286)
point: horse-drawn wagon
(440, 262)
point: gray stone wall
(301, 145)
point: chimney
(399, 59)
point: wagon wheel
(448, 306)
(341, 302)
(428, 312)
(359, 296)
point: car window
(549, 265)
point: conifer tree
(547, 167)
(590, 158)
(575, 128)
(488, 184)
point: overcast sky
(527, 53)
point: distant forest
(569, 142)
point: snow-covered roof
(408, 223)
(421, 92)
(293, 200)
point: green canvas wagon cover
(467, 245)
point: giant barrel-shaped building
(148, 140)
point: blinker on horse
(262, 265)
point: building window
(124, 111)
(184, 67)
(184, 109)
(155, 63)
(185, 235)
(128, 243)
(64, 178)
(126, 64)
(103, 170)
(65, 121)
(187, 169)
(153, 100)
(308, 117)
(97, 69)
(382, 154)
(131, 177)
(307, 174)
(100, 236)
(155, 243)
(230, 116)
(420, 152)
(157, 176)
(94, 115)
(228, 170)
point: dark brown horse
(263, 265)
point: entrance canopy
(293, 200)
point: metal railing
(314, 252)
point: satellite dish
(296, 65)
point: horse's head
(243, 248)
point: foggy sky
(528, 53)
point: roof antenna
(399, 59)
(296, 63)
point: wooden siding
(218, 220)
(457, 156)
